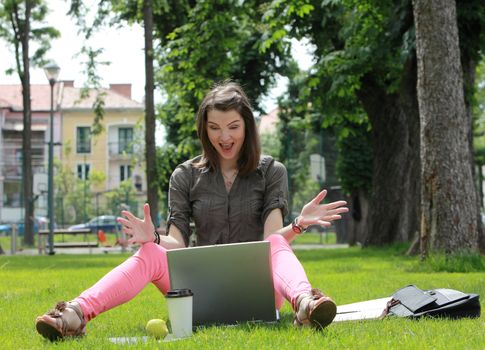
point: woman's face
(226, 133)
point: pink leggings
(149, 264)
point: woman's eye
(233, 127)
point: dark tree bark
(449, 210)
(21, 29)
(27, 134)
(394, 201)
(150, 145)
(357, 223)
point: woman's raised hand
(314, 213)
(139, 231)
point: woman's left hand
(314, 213)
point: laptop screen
(232, 283)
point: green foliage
(350, 40)
(270, 144)
(123, 197)
(168, 157)
(12, 30)
(479, 115)
(88, 23)
(471, 21)
(354, 41)
(305, 130)
(218, 41)
(249, 42)
(73, 195)
(354, 166)
(294, 152)
(73, 204)
(306, 190)
(167, 14)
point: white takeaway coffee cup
(179, 302)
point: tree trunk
(357, 224)
(394, 201)
(150, 146)
(341, 226)
(469, 76)
(449, 209)
(27, 177)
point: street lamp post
(51, 71)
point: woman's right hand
(139, 230)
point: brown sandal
(315, 309)
(65, 320)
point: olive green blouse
(226, 217)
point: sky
(126, 66)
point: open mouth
(226, 147)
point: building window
(125, 139)
(12, 194)
(138, 182)
(83, 139)
(17, 168)
(125, 172)
(83, 171)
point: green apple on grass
(157, 328)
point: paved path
(318, 246)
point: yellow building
(118, 151)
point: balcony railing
(11, 163)
(14, 171)
(83, 147)
(120, 148)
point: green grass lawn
(30, 285)
(327, 237)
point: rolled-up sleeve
(276, 191)
(179, 201)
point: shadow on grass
(285, 322)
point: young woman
(233, 194)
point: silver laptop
(232, 283)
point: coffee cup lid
(177, 293)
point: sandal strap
(62, 323)
(78, 311)
(58, 309)
(317, 293)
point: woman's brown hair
(227, 96)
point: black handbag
(413, 302)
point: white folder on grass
(364, 310)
